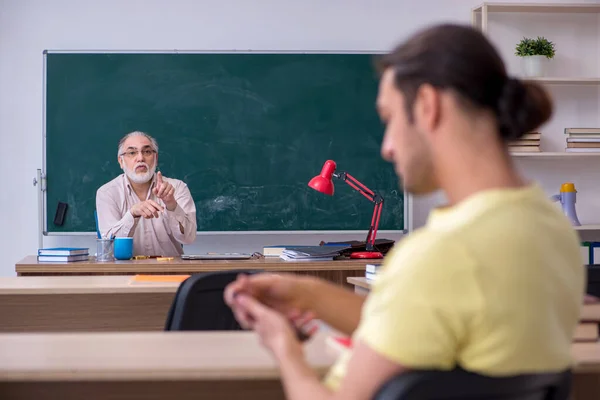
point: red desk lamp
(323, 183)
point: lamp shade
(322, 182)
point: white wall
(27, 27)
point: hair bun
(522, 107)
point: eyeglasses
(134, 153)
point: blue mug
(123, 248)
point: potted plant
(535, 53)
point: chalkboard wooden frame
(43, 206)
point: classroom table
(83, 303)
(151, 365)
(335, 271)
(178, 365)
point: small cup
(104, 250)
(123, 248)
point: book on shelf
(524, 149)
(529, 141)
(63, 251)
(536, 136)
(589, 145)
(582, 131)
(521, 142)
(80, 257)
(590, 139)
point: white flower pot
(535, 66)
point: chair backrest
(198, 304)
(459, 384)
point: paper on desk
(159, 278)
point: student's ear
(428, 107)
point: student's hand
(286, 293)
(147, 209)
(275, 331)
(165, 191)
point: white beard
(140, 177)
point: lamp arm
(356, 185)
(372, 197)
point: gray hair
(153, 142)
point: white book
(372, 268)
(286, 257)
(591, 139)
(370, 276)
(63, 251)
(582, 131)
(83, 257)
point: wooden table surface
(150, 355)
(182, 365)
(83, 304)
(149, 366)
(87, 284)
(359, 281)
(336, 271)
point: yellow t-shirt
(493, 284)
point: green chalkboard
(245, 131)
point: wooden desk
(177, 365)
(361, 284)
(83, 303)
(161, 365)
(335, 271)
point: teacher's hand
(166, 192)
(147, 209)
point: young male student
(493, 283)
(158, 212)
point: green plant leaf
(535, 47)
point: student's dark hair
(461, 59)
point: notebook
(63, 251)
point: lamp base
(366, 254)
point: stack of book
(583, 140)
(371, 271)
(277, 250)
(312, 253)
(528, 143)
(63, 254)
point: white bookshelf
(591, 227)
(479, 14)
(554, 155)
(564, 80)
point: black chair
(199, 306)
(459, 384)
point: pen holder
(105, 250)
